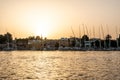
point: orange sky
(54, 18)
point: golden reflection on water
(59, 65)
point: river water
(60, 65)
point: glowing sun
(42, 29)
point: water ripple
(59, 65)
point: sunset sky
(54, 18)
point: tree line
(5, 38)
(107, 42)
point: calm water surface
(60, 65)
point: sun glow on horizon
(53, 18)
(42, 30)
(42, 25)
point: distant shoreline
(66, 50)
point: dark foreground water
(59, 65)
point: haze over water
(56, 65)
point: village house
(51, 44)
(64, 42)
(35, 44)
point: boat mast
(103, 36)
(8, 45)
(87, 34)
(94, 36)
(90, 32)
(83, 29)
(99, 37)
(73, 34)
(108, 34)
(84, 34)
(86, 30)
(15, 45)
(42, 42)
(80, 36)
(117, 37)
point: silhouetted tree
(37, 37)
(45, 38)
(6, 38)
(31, 37)
(83, 39)
(2, 39)
(108, 39)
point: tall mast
(8, 45)
(42, 41)
(117, 37)
(8, 41)
(15, 45)
(93, 31)
(84, 34)
(80, 35)
(79, 32)
(90, 32)
(103, 36)
(94, 35)
(86, 30)
(107, 28)
(108, 34)
(99, 37)
(83, 29)
(119, 30)
(73, 34)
